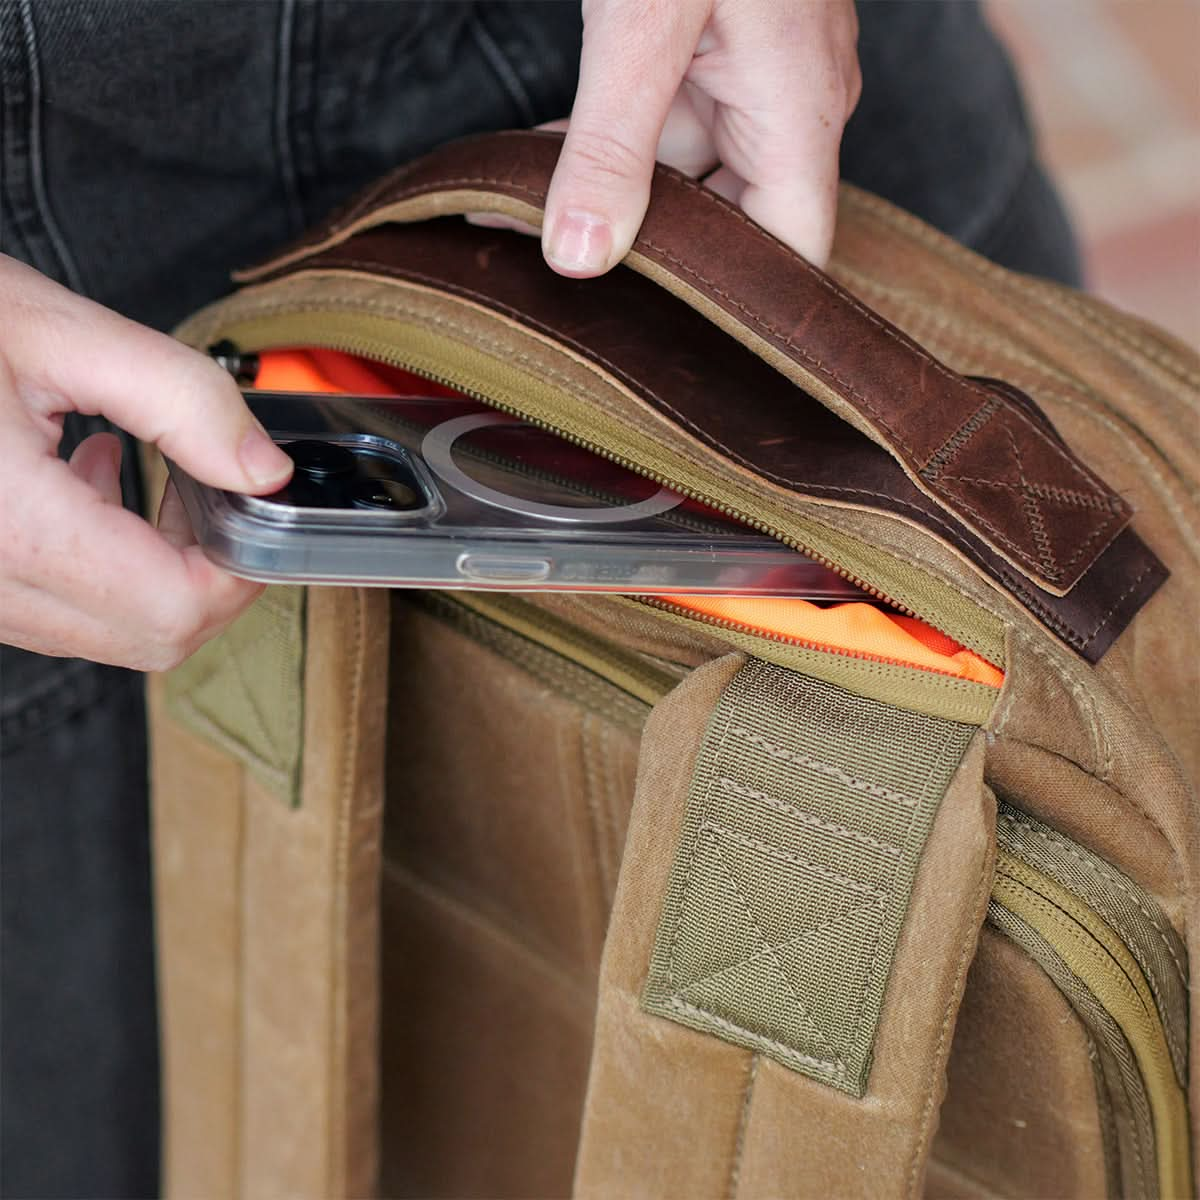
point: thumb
(70, 354)
(635, 53)
(97, 461)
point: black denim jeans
(146, 147)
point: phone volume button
(490, 568)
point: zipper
(367, 349)
(1110, 949)
(615, 685)
(731, 626)
(625, 670)
(260, 323)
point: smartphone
(443, 492)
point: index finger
(67, 353)
(146, 601)
(634, 56)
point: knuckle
(599, 157)
(207, 382)
(173, 634)
(853, 86)
(204, 398)
(163, 658)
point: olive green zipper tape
(1096, 955)
(919, 691)
(1133, 914)
(623, 669)
(911, 688)
(501, 364)
(1121, 1097)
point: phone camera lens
(384, 495)
(321, 460)
(300, 493)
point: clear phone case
(446, 492)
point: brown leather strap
(688, 372)
(976, 449)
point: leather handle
(978, 449)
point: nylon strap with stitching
(808, 812)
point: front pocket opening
(858, 629)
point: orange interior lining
(853, 628)
(332, 371)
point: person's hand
(754, 94)
(79, 575)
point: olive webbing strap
(805, 877)
(808, 812)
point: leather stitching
(894, 435)
(931, 515)
(1035, 518)
(1014, 583)
(1066, 496)
(836, 291)
(1033, 511)
(822, 280)
(395, 177)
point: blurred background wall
(1114, 90)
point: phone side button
(485, 568)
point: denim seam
(73, 692)
(991, 234)
(281, 117)
(67, 263)
(14, 103)
(503, 69)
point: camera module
(384, 495)
(321, 460)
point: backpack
(485, 894)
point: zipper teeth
(632, 676)
(1120, 987)
(622, 678)
(369, 349)
(782, 638)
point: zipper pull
(243, 367)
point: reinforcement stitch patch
(243, 691)
(808, 811)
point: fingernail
(580, 243)
(262, 460)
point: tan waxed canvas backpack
(468, 894)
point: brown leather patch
(1025, 491)
(977, 452)
(729, 400)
